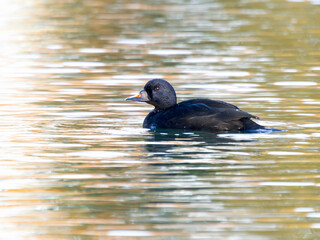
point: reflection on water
(75, 162)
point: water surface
(76, 163)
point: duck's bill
(142, 96)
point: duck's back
(202, 114)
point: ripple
(314, 215)
(115, 82)
(132, 41)
(310, 125)
(218, 73)
(54, 46)
(295, 83)
(84, 64)
(133, 76)
(233, 87)
(92, 50)
(304, 209)
(287, 184)
(281, 153)
(315, 225)
(210, 59)
(97, 154)
(311, 101)
(129, 233)
(53, 70)
(315, 69)
(244, 136)
(169, 52)
(315, 2)
(77, 114)
(72, 91)
(78, 176)
(289, 70)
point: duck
(199, 114)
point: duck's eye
(157, 88)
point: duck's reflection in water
(170, 142)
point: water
(75, 162)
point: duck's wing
(203, 105)
(209, 103)
(198, 115)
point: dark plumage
(196, 114)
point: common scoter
(195, 114)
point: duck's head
(157, 92)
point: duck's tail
(250, 126)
